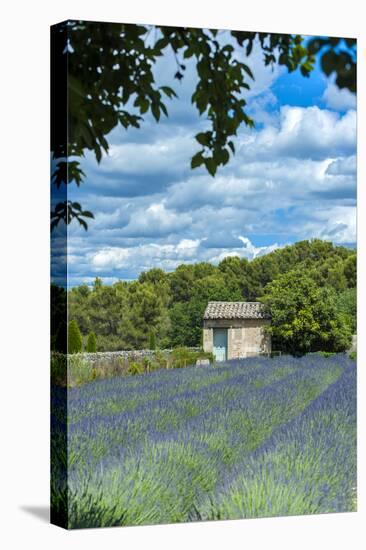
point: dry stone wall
(110, 356)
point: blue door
(220, 343)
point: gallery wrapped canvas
(203, 274)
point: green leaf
(87, 214)
(163, 108)
(232, 146)
(168, 91)
(188, 52)
(203, 138)
(139, 30)
(225, 156)
(329, 62)
(248, 70)
(83, 223)
(144, 105)
(197, 160)
(161, 43)
(211, 166)
(98, 153)
(155, 111)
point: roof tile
(236, 310)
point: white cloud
(336, 223)
(155, 220)
(147, 255)
(168, 256)
(254, 251)
(304, 132)
(110, 258)
(338, 99)
(294, 179)
(340, 224)
(343, 167)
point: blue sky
(293, 177)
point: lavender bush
(251, 438)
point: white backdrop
(24, 378)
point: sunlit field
(252, 438)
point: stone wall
(110, 356)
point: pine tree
(75, 342)
(91, 345)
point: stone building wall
(246, 337)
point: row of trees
(310, 288)
(75, 340)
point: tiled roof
(235, 310)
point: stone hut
(233, 330)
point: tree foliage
(110, 82)
(347, 306)
(91, 345)
(309, 286)
(304, 316)
(75, 341)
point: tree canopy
(109, 69)
(305, 317)
(311, 309)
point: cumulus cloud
(304, 133)
(254, 251)
(338, 99)
(333, 223)
(168, 256)
(343, 167)
(156, 220)
(292, 178)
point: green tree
(350, 270)
(242, 272)
(106, 309)
(152, 340)
(181, 283)
(186, 318)
(75, 342)
(91, 345)
(160, 281)
(347, 306)
(111, 81)
(304, 317)
(78, 306)
(144, 313)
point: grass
(77, 369)
(251, 438)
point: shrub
(184, 357)
(353, 355)
(75, 342)
(162, 360)
(79, 371)
(326, 353)
(91, 346)
(135, 368)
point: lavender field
(251, 438)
